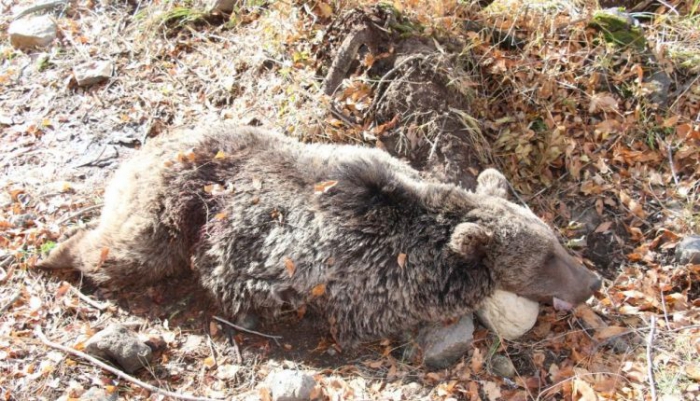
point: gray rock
(122, 346)
(444, 345)
(98, 394)
(27, 33)
(290, 385)
(222, 6)
(502, 366)
(688, 251)
(661, 84)
(23, 220)
(93, 72)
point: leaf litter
(563, 113)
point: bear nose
(597, 283)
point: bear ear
(469, 239)
(492, 182)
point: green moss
(617, 29)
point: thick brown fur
(271, 221)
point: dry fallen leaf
(323, 187)
(693, 372)
(402, 260)
(220, 155)
(213, 328)
(610, 331)
(318, 290)
(477, 361)
(289, 265)
(492, 391)
(209, 362)
(104, 254)
(602, 102)
(584, 391)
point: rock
(508, 314)
(444, 345)
(93, 72)
(502, 366)
(619, 27)
(660, 84)
(27, 33)
(222, 6)
(98, 394)
(688, 251)
(290, 385)
(122, 346)
(23, 220)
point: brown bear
(267, 221)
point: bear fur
(266, 221)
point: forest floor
(599, 135)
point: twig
(378, 94)
(670, 162)
(114, 370)
(13, 298)
(341, 116)
(8, 259)
(650, 365)
(670, 7)
(40, 7)
(663, 305)
(89, 301)
(224, 321)
(78, 213)
(93, 161)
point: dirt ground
(450, 86)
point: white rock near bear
(508, 314)
(32, 32)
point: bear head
(523, 254)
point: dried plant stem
(237, 327)
(89, 301)
(78, 213)
(114, 370)
(13, 298)
(650, 364)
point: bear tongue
(561, 304)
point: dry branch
(114, 370)
(257, 333)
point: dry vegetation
(570, 118)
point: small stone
(192, 344)
(508, 315)
(23, 220)
(688, 250)
(98, 394)
(660, 84)
(93, 72)
(290, 385)
(222, 6)
(502, 366)
(27, 33)
(122, 346)
(444, 345)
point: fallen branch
(89, 301)
(346, 54)
(13, 298)
(114, 370)
(78, 213)
(237, 327)
(650, 364)
(40, 7)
